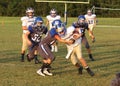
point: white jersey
(69, 35)
(51, 19)
(26, 21)
(90, 19)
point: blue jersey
(36, 33)
(82, 26)
(53, 32)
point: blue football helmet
(56, 22)
(81, 17)
(38, 19)
(59, 26)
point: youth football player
(26, 21)
(50, 18)
(74, 50)
(44, 47)
(34, 36)
(83, 27)
(91, 19)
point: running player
(44, 47)
(34, 36)
(84, 26)
(50, 18)
(91, 19)
(26, 21)
(74, 50)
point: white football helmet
(53, 12)
(30, 12)
(89, 12)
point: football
(73, 40)
(76, 34)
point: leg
(85, 42)
(46, 53)
(75, 62)
(56, 46)
(30, 55)
(24, 47)
(35, 57)
(82, 60)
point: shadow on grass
(9, 56)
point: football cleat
(28, 58)
(91, 57)
(39, 72)
(22, 58)
(37, 61)
(47, 72)
(91, 73)
(80, 70)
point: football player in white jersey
(50, 18)
(90, 19)
(26, 21)
(74, 50)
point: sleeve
(53, 32)
(48, 17)
(30, 29)
(58, 17)
(94, 15)
(24, 21)
(85, 16)
(86, 26)
(69, 32)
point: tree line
(18, 7)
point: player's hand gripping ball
(76, 34)
(72, 40)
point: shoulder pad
(48, 17)
(24, 18)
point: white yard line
(107, 26)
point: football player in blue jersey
(34, 36)
(54, 34)
(84, 26)
(26, 21)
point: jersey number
(36, 38)
(90, 21)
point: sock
(35, 56)
(22, 56)
(90, 55)
(86, 67)
(45, 65)
(52, 48)
(56, 48)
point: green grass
(106, 51)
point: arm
(63, 40)
(24, 23)
(24, 27)
(77, 33)
(26, 36)
(91, 35)
(47, 23)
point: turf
(106, 51)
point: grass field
(106, 51)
